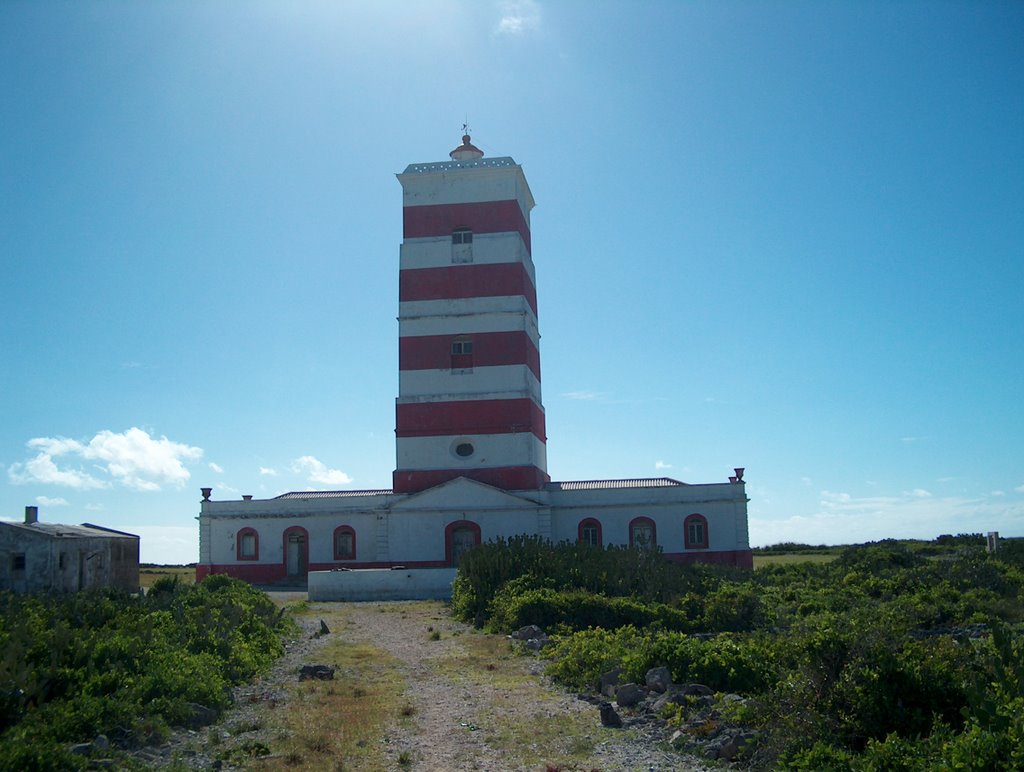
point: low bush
(75, 666)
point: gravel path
(471, 709)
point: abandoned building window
(695, 531)
(248, 544)
(63, 561)
(18, 561)
(642, 533)
(462, 236)
(462, 346)
(344, 543)
(590, 532)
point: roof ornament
(466, 151)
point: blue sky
(785, 236)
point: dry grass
(791, 557)
(148, 574)
(339, 724)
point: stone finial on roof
(466, 151)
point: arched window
(462, 245)
(247, 545)
(344, 543)
(459, 538)
(695, 532)
(642, 533)
(590, 532)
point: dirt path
(467, 702)
(478, 706)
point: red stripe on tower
(510, 478)
(460, 282)
(483, 416)
(490, 349)
(479, 217)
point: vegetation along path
(414, 689)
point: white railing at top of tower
(442, 166)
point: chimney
(31, 515)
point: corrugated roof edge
(638, 482)
(334, 494)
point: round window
(464, 449)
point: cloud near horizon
(316, 471)
(132, 459)
(846, 519)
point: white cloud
(46, 501)
(584, 395)
(216, 468)
(41, 469)
(267, 471)
(997, 493)
(918, 493)
(132, 458)
(316, 471)
(662, 465)
(517, 17)
(846, 519)
(806, 481)
(1019, 489)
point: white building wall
(498, 382)
(486, 248)
(491, 450)
(492, 179)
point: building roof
(60, 530)
(334, 494)
(568, 485)
(595, 485)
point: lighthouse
(469, 402)
(471, 452)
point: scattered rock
(608, 716)
(199, 716)
(324, 629)
(317, 672)
(629, 695)
(101, 743)
(696, 690)
(609, 681)
(81, 749)
(658, 679)
(528, 632)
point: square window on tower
(462, 356)
(462, 245)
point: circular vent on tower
(463, 449)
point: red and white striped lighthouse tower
(469, 402)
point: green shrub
(78, 665)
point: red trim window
(642, 533)
(344, 543)
(460, 537)
(590, 532)
(247, 546)
(695, 532)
